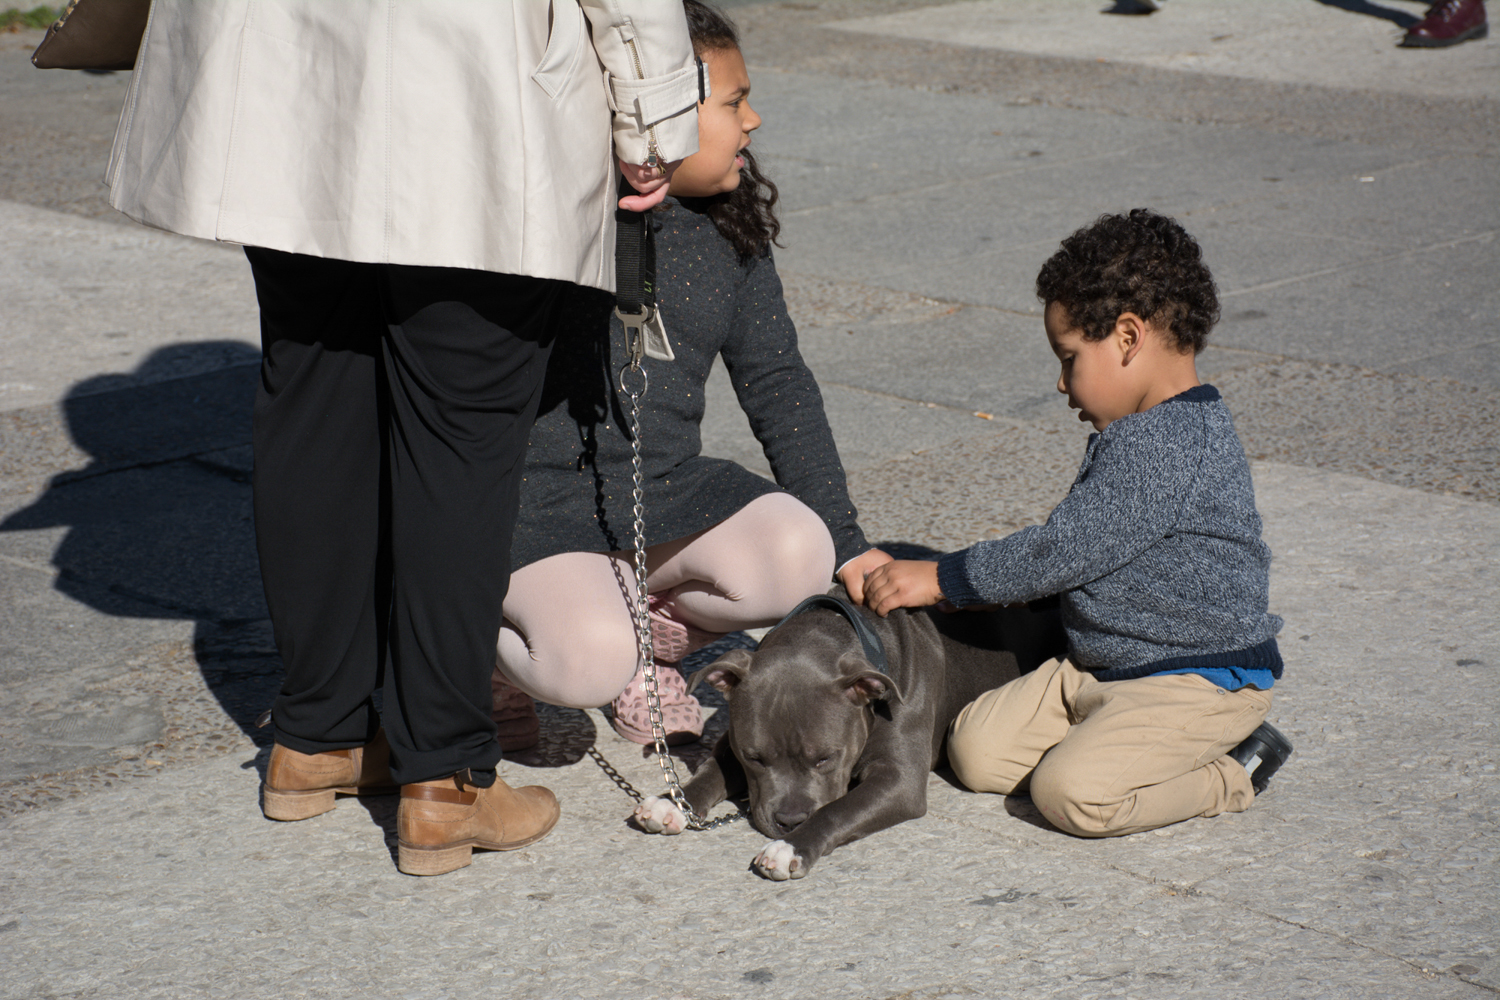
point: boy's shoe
(1447, 23)
(440, 823)
(1262, 753)
(302, 785)
(517, 726)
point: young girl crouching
(728, 550)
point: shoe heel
(432, 860)
(290, 806)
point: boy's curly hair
(746, 216)
(1141, 262)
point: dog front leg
(720, 777)
(886, 795)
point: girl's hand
(853, 573)
(902, 584)
(651, 182)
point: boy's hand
(853, 573)
(902, 584)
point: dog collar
(873, 647)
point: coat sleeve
(652, 75)
(780, 397)
(1128, 498)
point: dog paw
(658, 815)
(779, 861)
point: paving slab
(1283, 41)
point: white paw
(658, 815)
(779, 861)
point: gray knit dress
(576, 495)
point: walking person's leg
(464, 356)
(316, 491)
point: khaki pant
(1103, 759)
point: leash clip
(635, 332)
(645, 335)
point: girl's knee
(584, 668)
(797, 546)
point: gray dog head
(800, 709)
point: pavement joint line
(907, 194)
(1488, 234)
(28, 564)
(920, 402)
(1440, 354)
(70, 476)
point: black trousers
(390, 428)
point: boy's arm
(1130, 498)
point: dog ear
(725, 673)
(863, 684)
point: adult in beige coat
(417, 183)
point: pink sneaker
(671, 640)
(681, 715)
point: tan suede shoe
(440, 822)
(302, 785)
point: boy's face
(1095, 376)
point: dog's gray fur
(827, 748)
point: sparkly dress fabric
(576, 494)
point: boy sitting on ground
(1157, 712)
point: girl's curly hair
(746, 216)
(1142, 263)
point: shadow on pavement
(159, 521)
(1400, 18)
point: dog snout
(788, 818)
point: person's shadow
(1400, 18)
(159, 522)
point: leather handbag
(94, 34)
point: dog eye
(821, 761)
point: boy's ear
(1130, 335)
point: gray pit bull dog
(828, 747)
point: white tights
(568, 638)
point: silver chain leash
(635, 339)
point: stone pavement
(930, 156)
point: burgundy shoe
(1448, 23)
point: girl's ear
(1129, 335)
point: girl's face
(725, 122)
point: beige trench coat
(461, 133)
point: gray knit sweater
(1155, 551)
